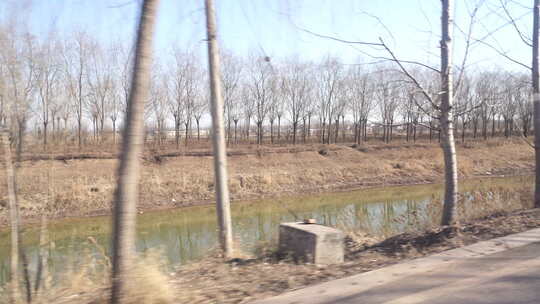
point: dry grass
(85, 187)
(485, 214)
(87, 281)
(242, 281)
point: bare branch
(338, 39)
(426, 126)
(467, 48)
(469, 110)
(523, 38)
(504, 54)
(404, 70)
(424, 110)
(525, 139)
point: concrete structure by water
(312, 243)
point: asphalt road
(492, 272)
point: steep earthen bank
(84, 187)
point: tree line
(256, 91)
(74, 89)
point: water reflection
(187, 234)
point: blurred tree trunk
(14, 218)
(126, 195)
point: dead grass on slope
(85, 187)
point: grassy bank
(84, 187)
(244, 279)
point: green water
(189, 233)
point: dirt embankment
(84, 187)
(240, 281)
(214, 280)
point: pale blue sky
(274, 27)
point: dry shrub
(469, 145)
(87, 281)
(150, 284)
(482, 203)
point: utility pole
(218, 135)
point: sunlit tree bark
(126, 195)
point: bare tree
(19, 62)
(231, 76)
(75, 66)
(159, 100)
(48, 73)
(447, 121)
(249, 109)
(218, 134)
(126, 196)
(296, 85)
(444, 109)
(261, 89)
(200, 106)
(387, 95)
(100, 82)
(328, 82)
(535, 75)
(186, 81)
(359, 91)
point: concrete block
(312, 243)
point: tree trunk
(279, 129)
(365, 130)
(448, 145)
(21, 126)
(271, 131)
(79, 135)
(177, 132)
(186, 134)
(484, 128)
(309, 127)
(463, 132)
(220, 156)
(323, 131)
(336, 136)
(259, 132)
(126, 194)
(329, 131)
(343, 129)
(228, 131)
(14, 219)
(408, 130)
(235, 128)
(45, 123)
(114, 131)
(356, 132)
(247, 128)
(430, 130)
(304, 131)
(198, 130)
(391, 130)
(536, 101)
(295, 127)
(493, 126)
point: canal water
(186, 234)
